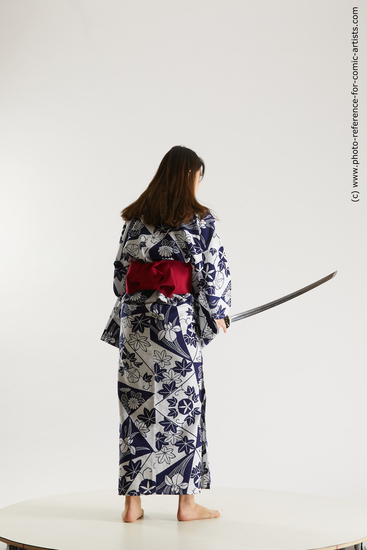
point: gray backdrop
(93, 94)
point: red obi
(167, 276)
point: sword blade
(228, 320)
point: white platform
(251, 520)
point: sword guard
(227, 321)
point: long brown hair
(170, 196)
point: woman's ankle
(185, 501)
(132, 500)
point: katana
(228, 320)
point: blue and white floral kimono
(163, 447)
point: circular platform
(250, 520)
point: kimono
(163, 445)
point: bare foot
(189, 510)
(133, 509)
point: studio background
(93, 94)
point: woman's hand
(221, 323)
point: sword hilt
(227, 321)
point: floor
(250, 520)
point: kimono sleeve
(121, 265)
(216, 276)
(211, 281)
(111, 333)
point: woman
(173, 287)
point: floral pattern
(163, 446)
